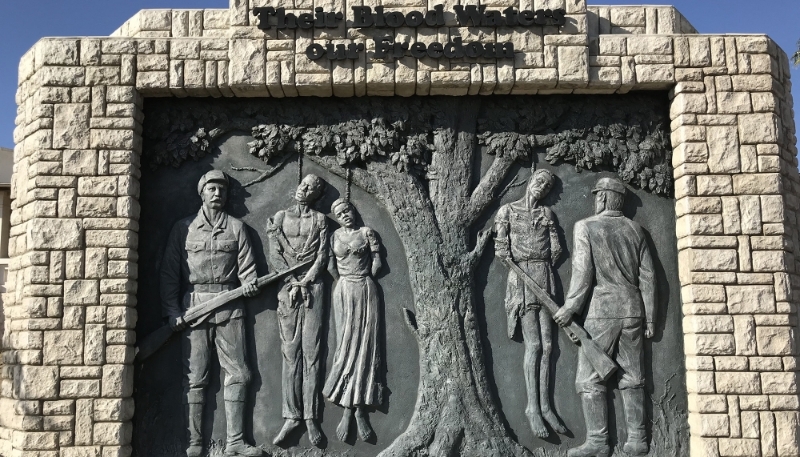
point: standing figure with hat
(299, 234)
(207, 254)
(612, 264)
(525, 233)
(355, 381)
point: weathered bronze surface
(431, 179)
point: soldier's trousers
(301, 329)
(622, 340)
(198, 342)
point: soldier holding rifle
(209, 254)
(613, 266)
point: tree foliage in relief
(627, 134)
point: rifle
(596, 356)
(196, 314)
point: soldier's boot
(194, 420)
(595, 412)
(636, 443)
(235, 445)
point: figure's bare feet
(554, 421)
(288, 426)
(365, 431)
(314, 433)
(344, 425)
(537, 424)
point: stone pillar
(70, 311)
(736, 187)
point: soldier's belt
(211, 288)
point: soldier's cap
(612, 184)
(212, 176)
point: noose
(299, 167)
(349, 178)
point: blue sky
(22, 23)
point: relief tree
(418, 157)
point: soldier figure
(612, 264)
(296, 235)
(209, 253)
(526, 233)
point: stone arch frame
(70, 310)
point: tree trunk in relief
(455, 413)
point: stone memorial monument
(315, 228)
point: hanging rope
(349, 184)
(299, 167)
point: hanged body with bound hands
(354, 381)
(526, 233)
(296, 235)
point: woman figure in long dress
(354, 380)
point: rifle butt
(598, 358)
(152, 342)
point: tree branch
(474, 256)
(361, 177)
(483, 195)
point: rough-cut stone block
(71, 126)
(79, 162)
(709, 424)
(34, 441)
(774, 340)
(117, 380)
(709, 344)
(247, 63)
(573, 65)
(57, 52)
(723, 149)
(55, 234)
(97, 186)
(81, 292)
(710, 259)
(699, 224)
(757, 184)
(739, 447)
(738, 383)
(36, 382)
(632, 16)
(80, 388)
(63, 347)
(779, 383)
(750, 299)
(786, 428)
(655, 75)
(649, 45)
(770, 261)
(758, 128)
(116, 409)
(112, 433)
(94, 345)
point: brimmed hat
(212, 176)
(612, 184)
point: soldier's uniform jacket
(532, 243)
(202, 260)
(612, 250)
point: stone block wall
(66, 366)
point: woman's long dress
(354, 379)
